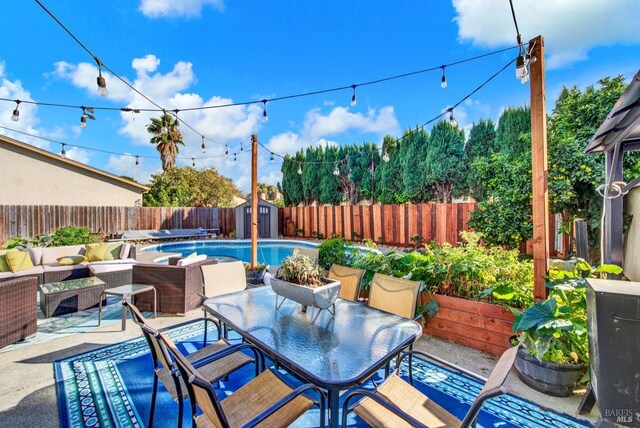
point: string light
(353, 97)
(63, 152)
(452, 119)
(137, 161)
(193, 162)
(265, 115)
(16, 113)
(241, 149)
(102, 83)
(235, 159)
(163, 128)
(226, 152)
(85, 115)
(299, 168)
(336, 170)
(177, 124)
(272, 159)
(443, 81)
(204, 147)
(385, 156)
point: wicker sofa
(178, 287)
(18, 313)
(47, 269)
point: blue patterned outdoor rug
(111, 387)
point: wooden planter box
(478, 325)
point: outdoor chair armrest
(383, 402)
(439, 361)
(286, 399)
(259, 356)
(205, 319)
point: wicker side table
(58, 298)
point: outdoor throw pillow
(18, 260)
(96, 252)
(4, 267)
(194, 254)
(113, 251)
(124, 252)
(71, 260)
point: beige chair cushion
(50, 255)
(191, 260)
(350, 280)
(395, 295)
(223, 278)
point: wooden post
(254, 200)
(539, 169)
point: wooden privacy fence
(389, 224)
(33, 220)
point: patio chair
(314, 253)
(164, 369)
(397, 403)
(395, 295)
(265, 401)
(350, 280)
(223, 278)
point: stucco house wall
(32, 176)
(632, 239)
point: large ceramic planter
(550, 378)
(478, 325)
(255, 276)
(320, 297)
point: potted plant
(302, 280)
(555, 352)
(255, 275)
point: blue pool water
(270, 252)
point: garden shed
(267, 220)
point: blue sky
(192, 53)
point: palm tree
(166, 137)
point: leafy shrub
(556, 329)
(332, 251)
(469, 271)
(71, 235)
(247, 266)
(301, 270)
(22, 243)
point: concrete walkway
(28, 395)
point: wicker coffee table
(64, 297)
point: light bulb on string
(83, 122)
(235, 159)
(137, 161)
(265, 115)
(353, 97)
(63, 152)
(272, 159)
(85, 116)
(177, 124)
(299, 168)
(193, 162)
(16, 113)
(443, 81)
(521, 67)
(385, 156)
(163, 128)
(203, 146)
(336, 170)
(241, 148)
(452, 119)
(102, 83)
(226, 152)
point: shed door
(264, 223)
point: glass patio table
(336, 352)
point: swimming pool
(270, 252)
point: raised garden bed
(478, 325)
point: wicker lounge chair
(163, 368)
(396, 403)
(265, 401)
(179, 287)
(18, 312)
(350, 281)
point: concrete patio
(28, 394)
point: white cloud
(177, 8)
(570, 27)
(77, 154)
(126, 165)
(272, 178)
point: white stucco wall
(31, 178)
(632, 239)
